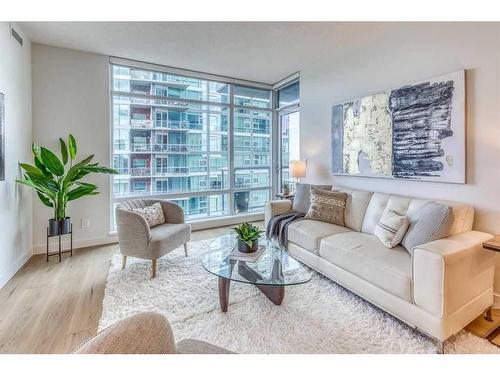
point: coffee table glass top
(274, 267)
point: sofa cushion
(366, 257)
(356, 204)
(308, 233)
(302, 197)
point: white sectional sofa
(439, 289)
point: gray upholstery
(431, 222)
(144, 333)
(138, 240)
(190, 346)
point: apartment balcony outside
(171, 125)
(162, 147)
(141, 124)
(140, 75)
(175, 171)
(140, 147)
(140, 172)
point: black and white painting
(413, 132)
(2, 137)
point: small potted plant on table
(248, 237)
(55, 186)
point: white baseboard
(113, 238)
(77, 244)
(496, 300)
(6, 275)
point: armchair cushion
(167, 237)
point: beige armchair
(144, 333)
(138, 240)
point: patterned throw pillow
(153, 214)
(328, 206)
(302, 198)
(391, 228)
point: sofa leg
(185, 248)
(153, 268)
(124, 262)
(488, 314)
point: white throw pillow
(153, 214)
(391, 228)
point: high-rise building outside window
(177, 137)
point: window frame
(278, 113)
(231, 189)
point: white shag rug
(316, 317)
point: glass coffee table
(271, 273)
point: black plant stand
(63, 251)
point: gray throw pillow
(302, 197)
(431, 222)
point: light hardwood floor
(53, 307)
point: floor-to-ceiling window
(288, 115)
(201, 143)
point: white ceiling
(258, 51)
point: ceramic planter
(244, 248)
(59, 227)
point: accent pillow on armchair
(153, 214)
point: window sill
(218, 221)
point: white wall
(15, 200)
(71, 95)
(374, 57)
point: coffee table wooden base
(275, 294)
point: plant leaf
(80, 192)
(31, 169)
(45, 200)
(72, 146)
(64, 151)
(52, 162)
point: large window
(204, 144)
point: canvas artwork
(412, 132)
(2, 137)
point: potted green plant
(56, 185)
(248, 237)
(286, 188)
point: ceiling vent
(16, 36)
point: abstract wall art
(412, 132)
(2, 137)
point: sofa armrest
(143, 333)
(173, 212)
(451, 272)
(273, 208)
(133, 232)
